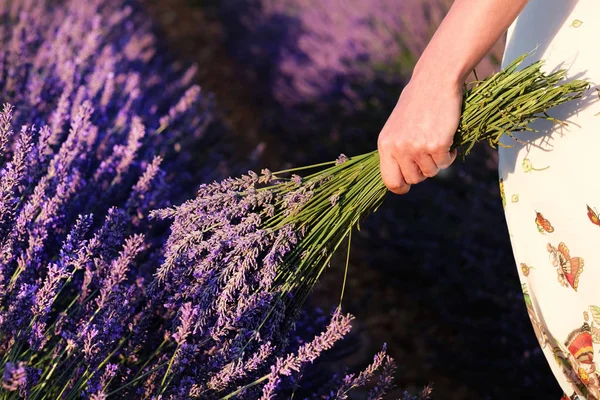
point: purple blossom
(307, 353)
(238, 369)
(14, 376)
(384, 381)
(116, 274)
(14, 179)
(187, 314)
(341, 159)
(5, 127)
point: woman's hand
(415, 142)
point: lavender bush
(314, 50)
(317, 47)
(94, 133)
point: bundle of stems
(346, 190)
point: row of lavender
(328, 74)
(334, 67)
(94, 134)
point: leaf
(576, 23)
(595, 313)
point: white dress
(550, 185)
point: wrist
(443, 66)
(446, 78)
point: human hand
(415, 142)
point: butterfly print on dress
(593, 216)
(542, 223)
(568, 268)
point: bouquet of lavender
(266, 239)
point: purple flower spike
(14, 376)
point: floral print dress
(550, 186)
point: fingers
(391, 174)
(411, 171)
(443, 159)
(427, 165)
(408, 163)
(399, 174)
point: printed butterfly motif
(542, 223)
(568, 268)
(593, 216)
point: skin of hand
(415, 142)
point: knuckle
(412, 145)
(385, 142)
(436, 148)
(433, 149)
(425, 148)
(443, 161)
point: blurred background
(432, 273)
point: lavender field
(116, 117)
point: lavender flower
(339, 326)
(425, 394)
(384, 383)
(14, 377)
(5, 127)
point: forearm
(466, 34)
